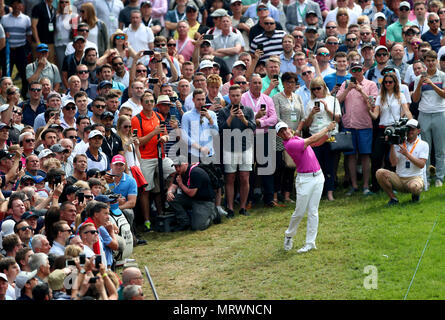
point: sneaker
(367, 192)
(288, 243)
(351, 191)
(415, 198)
(147, 225)
(221, 211)
(306, 248)
(244, 212)
(141, 242)
(230, 214)
(438, 183)
(392, 202)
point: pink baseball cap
(118, 159)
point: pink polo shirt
(305, 159)
(270, 119)
(356, 110)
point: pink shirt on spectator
(270, 119)
(185, 48)
(305, 159)
(356, 110)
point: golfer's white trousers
(309, 190)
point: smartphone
(102, 173)
(70, 262)
(98, 261)
(149, 52)
(82, 258)
(81, 197)
(162, 124)
(173, 99)
(353, 80)
(379, 31)
(235, 107)
(20, 165)
(275, 77)
(173, 117)
(217, 100)
(93, 280)
(163, 49)
(263, 107)
(208, 37)
(57, 179)
(424, 74)
(135, 132)
(153, 80)
(260, 46)
(317, 104)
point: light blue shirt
(305, 95)
(287, 65)
(57, 249)
(251, 12)
(196, 132)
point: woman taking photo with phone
(130, 142)
(319, 113)
(119, 41)
(390, 106)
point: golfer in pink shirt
(309, 183)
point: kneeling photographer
(390, 108)
(192, 190)
(409, 157)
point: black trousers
(203, 212)
(17, 57)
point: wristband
(104, 275)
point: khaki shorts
(149, 168)
(236, 161)
(403, 184)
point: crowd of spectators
(117, 115)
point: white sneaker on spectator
(221, 211)
(288, 243)
(438, 183)
(307, 247)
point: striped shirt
(272, 46)
(18, 28)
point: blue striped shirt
(18, 28)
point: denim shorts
(362, 141)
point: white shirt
(108, 11)
(139, 39)
(136, 108)
(322, 119)
(421, 151)
(332, 16)
(88, 44)
(390, 111)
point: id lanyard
(51, 17)
(183, 45)
(254, 105)
(414, 146)
(177, 17)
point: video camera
(397, 134)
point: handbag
(288, 161)
(343, 140)
(138, 176)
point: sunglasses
(18, 113)
(415, 43)
(316, 88)
(441, 12)
(323, 54)
(404, 9)
(388, 82)
(365, 33)
(126, 127)
(119, 37)
(333, 43)
(88, 196)
(35, 89)
(25, 228)
(68, 230)
(91, 231)
(269, 23)
(30, 140)
(118, 64)
(14, 92)
(82, 71)
(99, 106)
(384, 54)
(28, 184)
(331, 27)
(262, 9)
(149, 101)
(70, 108)
(171, 45)
(351, 39)
(141, 70)
(160, 45)
(356, 70)
(241, 82)
(306, 73)
(434, 21)
(72, 137)
(83, 30)
(342, 14)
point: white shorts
(150, 166)
(238, 161)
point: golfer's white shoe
(288, 243)
(306, 248)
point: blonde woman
(319, 114)
(119, 41)
(342, 23)
(214, 83)
(129, 142)
(98, 31)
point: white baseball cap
(95, 133)
(281, 125)
(205, 64)
(413, 123)
(379, 15)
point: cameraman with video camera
(409, 158)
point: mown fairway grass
(244, 258)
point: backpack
(124, 237)
(212, 171)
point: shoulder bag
(343, 140)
